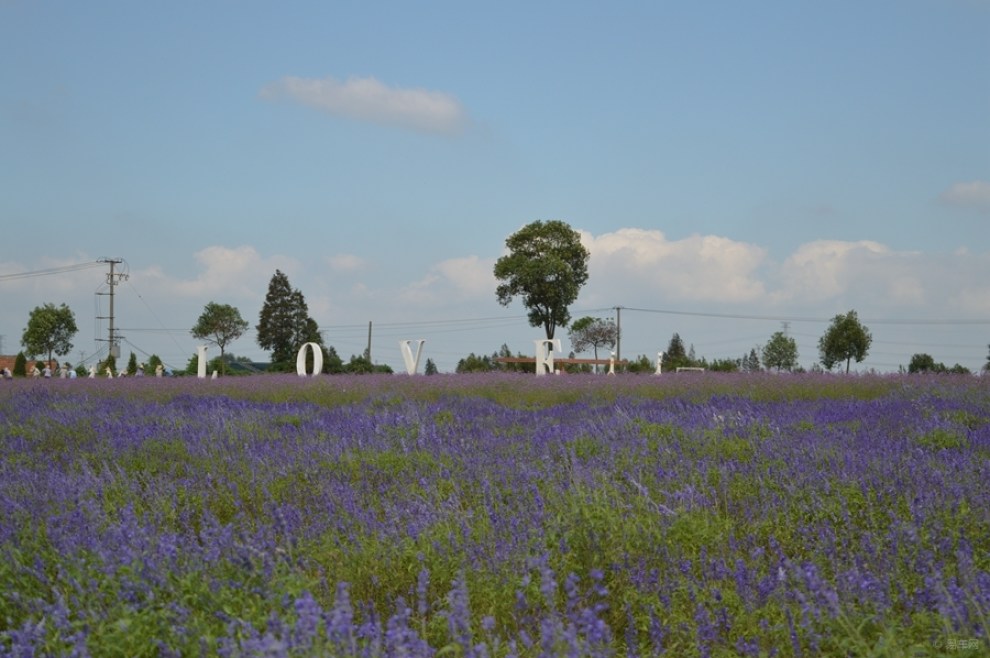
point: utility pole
(368, 351)
(113, 279)
(618, 333)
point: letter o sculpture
(317, 359)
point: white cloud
(966, 283)
(823, 269)
(638, 264)
(345, 262)
(698, 268)
(846, 272)
(973, 194)
(367, 99)
(238, 272)
(453, 279)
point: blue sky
(731, 167)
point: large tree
(844, 340)
(593, 332)
(780, 352)
(284, 324)
(546, 266)
(220, 324)
(49, 331)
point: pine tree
(675, 356)
(284, 323)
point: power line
(784, 318)
(50, 271)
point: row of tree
(284, 325)
(545, 266)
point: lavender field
(496, 515)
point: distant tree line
(545, 267)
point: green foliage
(152, 366)
(594, 333)
(49, 331)
(220, 324)
(505, 352)
(641, 365)
(284, 324)
(132, 364)
(332, 363)
(942, 439)
(546, 266)
(844, 340)
(430, 368)
(724, 365)
(362, 365)
(780, 352)
(750, 362)
(675, 356)
(109, 362)
(925, 363)
(20, 365)
(474, 363)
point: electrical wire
(152, 311)
(784, 318)
(52, 270)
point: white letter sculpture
(201, 364)
(412, 362)
(317, 359)
(544, 354)
(659, 363)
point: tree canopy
(675, 356)
(594, 333)
(220, 324)
(284, 324)
(546, 266)
(925, 363)
(780, 352)
(844, 340)
(49, 331)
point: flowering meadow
(496, 515)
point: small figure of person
(140, 371)
(46, 372)
(159, 369)
(92, 372)
(109, 372)
(7, 374)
